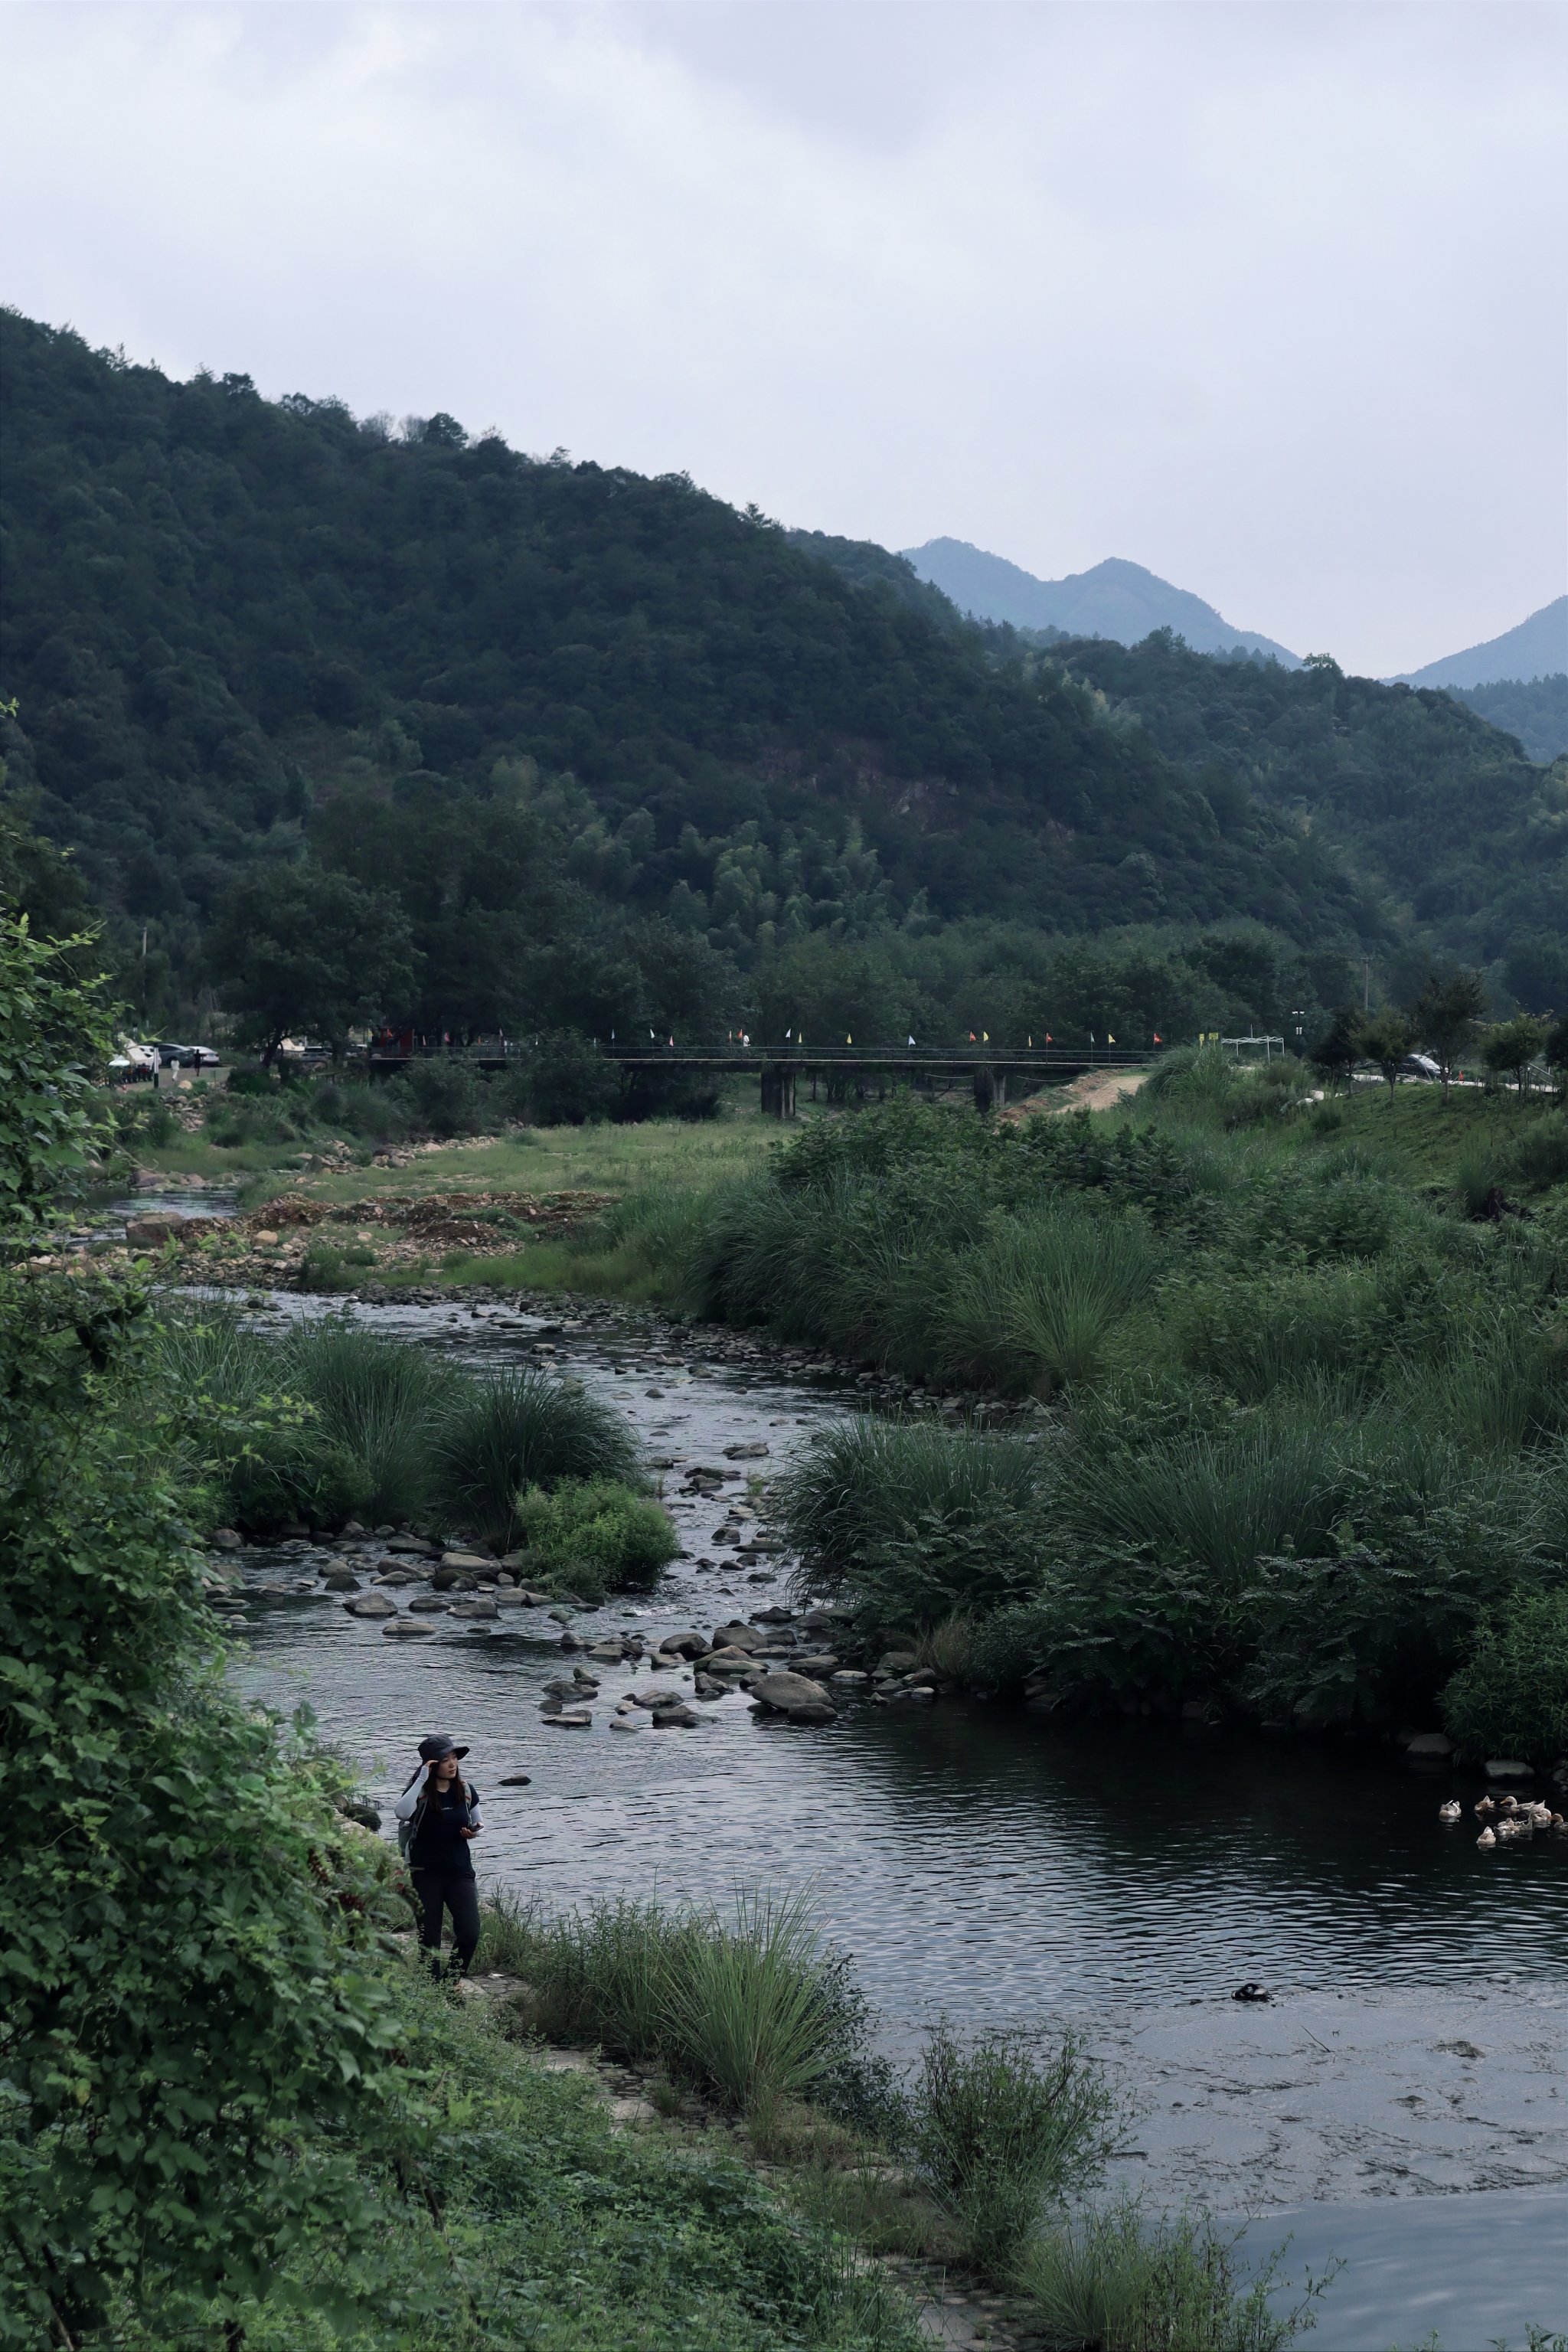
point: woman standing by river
(441, 1810)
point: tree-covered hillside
(1439, 814)
(223, 614)
(1535, 710)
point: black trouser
(455, 1891)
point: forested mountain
(613, 751)
(225, 616)
(1438, 812)
(1535, 710)
(1113, 599)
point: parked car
(1419, 1065)
(179, 1057)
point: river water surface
(984, 1864)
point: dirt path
(1095, 1090)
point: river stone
(1430, 1743)
(481, 1606)
(678, 1718)
(774, 1615)
(340, 1580)
(227, 1539)
(371, 1604)
(407, 1625)
(1508, 1768)
(413, 1544)
(784, 1693)
(454, 1579)
(478, 1560)
(709, 1687)
(631, 1721)
(570, 1719)
(849, 1676)
(752, 1451)
(610, 1651)
(684, 1644)
(429, 1603)
(152, 1233)
(820, 1667)
(897, 1662)
(737, 1635)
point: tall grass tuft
(1034, 1304)
(519, 1428)
(1123, 2280)
(747, 2006)
(1220, 1500)
(995, 2131)
(868, 1483)
(377, 1399)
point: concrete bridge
(844, 1069)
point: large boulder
(795, 1696)
(371, 1604)
(686, 1644)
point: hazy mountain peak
(1115, 599)
(1538, 647)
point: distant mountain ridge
(1538, 647)
(1115, 599)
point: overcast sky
(1270, 297)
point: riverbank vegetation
(1292, 1372)
(324, 1422)
(990, 2158)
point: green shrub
(1541, 1155)
(597, 1537)
(447, 1096)
(995, 2130)
(1511, 1697)
(381, 1113)
(1120, 2280)
(519, 1428)
(911, 1522)
(569, 1081)
(329, 1265)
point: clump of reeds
(519, 1428)
(1123, 2280)
(747, 2006)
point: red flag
(972, 1036)
(1158, 1039)
(1049, 1040)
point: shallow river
(978, 1861)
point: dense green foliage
(183, 2040)
(1438, 812)
(1300, 1376)
(326, 1420)
(603, 738)
(1534, 710)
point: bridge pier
(990, 1089)
(778, 1093)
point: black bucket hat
(432, 1750)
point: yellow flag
(986, 1036)
(850, 1041)
(1109, 1038)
